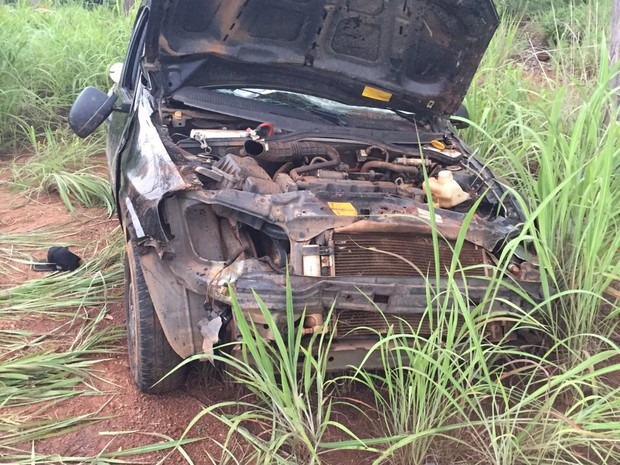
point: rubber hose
(388, 166)
(289, 151)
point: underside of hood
(414, 55)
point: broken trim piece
(137, 226)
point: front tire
(150, 355)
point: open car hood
(413, 55)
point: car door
(120, 121)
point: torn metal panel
(178, 309)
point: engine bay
(230, 153)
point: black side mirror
(461, 113)
(90, 109)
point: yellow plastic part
(376, 94)
(438, 145)
(342, 208)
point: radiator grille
(352, 324)
(380, 254)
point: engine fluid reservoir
(445, 191)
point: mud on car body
(251, 140)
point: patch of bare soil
(133, 419)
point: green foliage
(43, 67)
(560, 147)
(292, 396)
(450, 395)
(575, 21)
(49, 55)
(575, 34)
(533, 7)
(30, 373)
(65, 165)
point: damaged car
(251, 142)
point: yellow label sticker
(376, 94)
(342, 208)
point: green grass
(92, 285)
(36, 373)
(451, 395)
(41, 368)
(560, 148)
(43, 67)
(533, 7)
(67, 166)
(289, 413)
(49, 55)
(575, 34)
(44, 367)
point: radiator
(381, 254)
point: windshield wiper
(299, 102)
(232, 105)
(410, 117)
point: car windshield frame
(340, 113)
